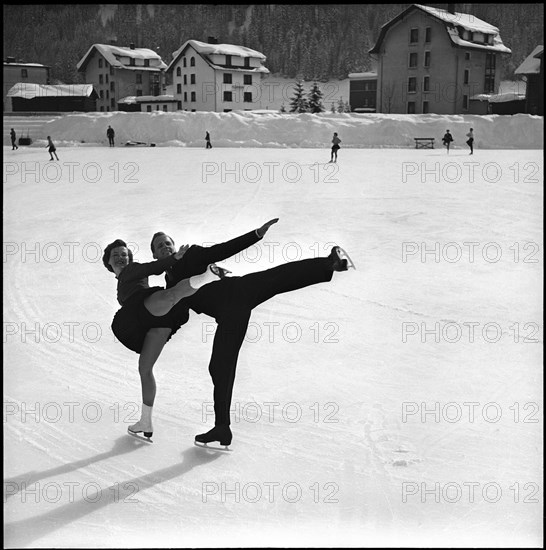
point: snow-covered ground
(399, 404)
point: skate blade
(138, 436)
(344, 256)
(223, 448)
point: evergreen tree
(315, 99)
(333, 108)
(282, 109)
(340, 105)
(298, 103)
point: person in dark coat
(231, 304)
(13, 140)
(447, 139)
(207, 139)
(51, 148)
(335, 148)
(110, 135)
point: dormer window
(146, 62)
(247, 62)
(478, 37)
(132, 61)
(228, 60)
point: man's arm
(197, 258)
(136, 270)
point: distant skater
(110, 135)
(207, 139)
(470, 141)
(335, 147)
(447, 139)
(13, 140)
(52, 149)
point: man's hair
(108, 251)
(158, 234)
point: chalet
(26, 73)
(532, 69)
(117, 72)
(29, 97)
(148, 103)
(216, 77)
(435, 61)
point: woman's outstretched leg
(154, 341)
(160, 303)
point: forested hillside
(308, 41)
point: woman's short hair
(108, 250)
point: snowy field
(400, 404)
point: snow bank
(273, 129)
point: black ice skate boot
(220, 433)
(340, 260)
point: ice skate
(222, 434)
(219, 271)
(341, 261)
(144, 426)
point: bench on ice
(424, 143)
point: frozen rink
(400, 404)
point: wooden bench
(424, 143)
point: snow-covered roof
(14, 64)
(531, 64)
(28, 90)
(466, 21)
(363, 75)
(133, 99)
(112, 53)
(205, 50)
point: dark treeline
(300, 41)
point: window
(113, 103)
(179, 105)
(228, 78)
(425, 107)
(132, 61)
(112, 86)
(102, 109)
(466, 76)
(412, 60)
(192, 62)
(414, 36)
(100, 62)
(146, 62)
(111, 71)
(427, 59)
(489, 83)
(228, 96)
(228, 60)
(247, 97)
(465, 102)
(178, 71)
(139, 78)
(139, 93)
(428, 32)
(101, 94)
(185, 97)
(412, 84)
(192, 79)
(247, 62)
(193, 96)
(411, 107)
(247, 79)
(100, 79)
(227, 110)
(426, 84)
(157, 107)
(467, 56)
(107, 94)
(179, 88)
(185, 80)
(24, 73)
(165, 108)
(106, 78)
(184, 61)
(148, 108)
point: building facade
(22, 73)
(435, 61)
(117, 72)
(532, 69)
(216, 77)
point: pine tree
(333, 108)
(340, 105)
(282, 109)
(315, 99)
(298, 103)
(347, 107)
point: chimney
(451, 8)
(132, 45)
(212, 40)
